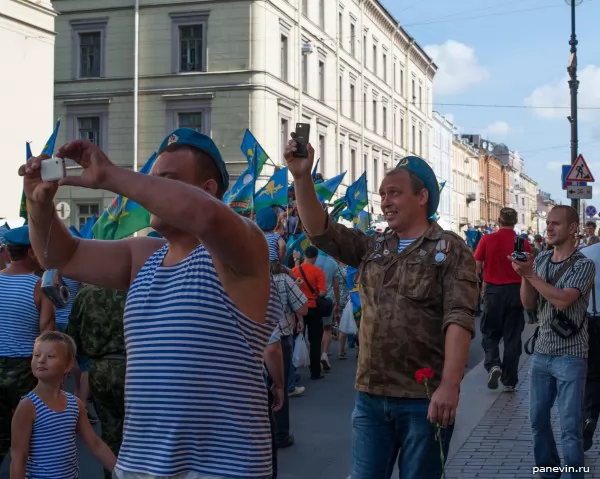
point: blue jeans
(383, 426)
(560, 378)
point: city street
(320, 423)
(492, 437)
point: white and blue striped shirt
(62, 314)
(273, 242)
(52, 447)
(19, 316)
(195, 396)
(404, 243)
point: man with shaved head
(563, 279)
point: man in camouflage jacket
(96, 325)
(419, 293)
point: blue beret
(266, 219)
(189, 137)
(18, 236)
(154, 234)
(424, 172)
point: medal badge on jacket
(441, 251)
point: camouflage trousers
(16, 380)
(107, 387)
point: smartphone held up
(301, 138)
(53, 169)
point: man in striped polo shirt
(200, 308)
(563, 278)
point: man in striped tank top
(199, 311)
(24, 312)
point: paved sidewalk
(500, 445)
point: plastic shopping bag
(301, 356)
(347, 322)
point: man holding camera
(502, 310)
(563, 278)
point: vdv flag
(49, 147)
(239, 196)
(253, 151)
(274, 193)
(327, 189)
(356, 194)
(123, 217)
(352, 286)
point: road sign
(63, 210)
(580, 171)
(591, 211)
(565, 172)
(579, 192)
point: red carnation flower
(421, 375)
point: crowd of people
(185, 338)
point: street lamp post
(573, 86)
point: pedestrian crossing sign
(580, 172)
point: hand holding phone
(519, 253)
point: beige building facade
(530, 203)
(26, 90)
(465, 173)
(128, 72)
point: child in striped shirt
(47, 420)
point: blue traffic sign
(591, 211)
(565, 172)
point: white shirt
(593, 252)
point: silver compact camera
(53, 169)
(55, 289)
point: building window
(420, 98)
(375, 59)
(340, 29)
(88, 128)
(191, 120)
(87, 211)
(304, 7)
(364, 58)
(414, 139)
(304, 74)
(395, 77)
(384, 67)
(375, 172)
(322, 153)
(375, 115)
(322, 14)
(420, 143)
(285, 135)
(90, 52)
(523, 201)
(352, 102)
(341, 159)
(189, 42)
(522, 219)
(395, 125)
(352, 164)
(353, 40)
(284, 58)
(89, 48)
(321, 80)
(402, 81)
(340, 97)
(189, 114)
(402, 132)
(414, 92)
(384, 121)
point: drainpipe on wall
(136, 54)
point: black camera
(518, 253)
